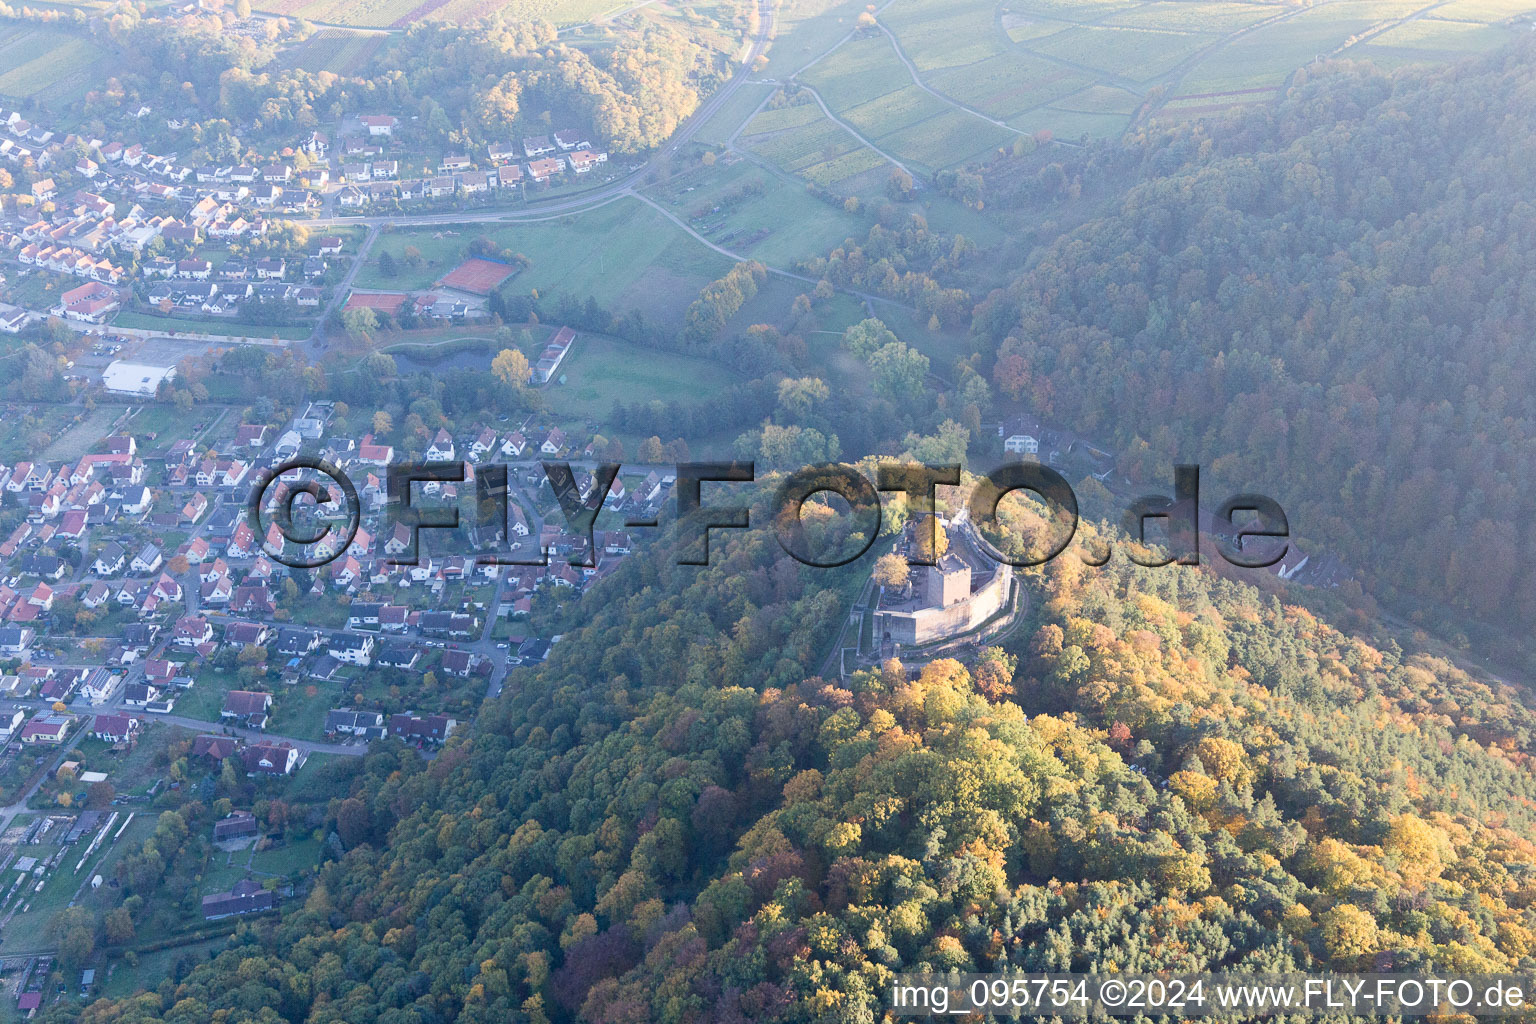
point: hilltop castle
(962, 591)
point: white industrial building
(125, 378)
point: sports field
(477, 276)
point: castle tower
(947, 583)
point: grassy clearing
(163, 421)
(26, 431)
(778, 224)
(153, 966)
(78, 440)
(299, 710)
(225, 328)
(601, 371)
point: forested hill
(1333, 301)
(669, 821)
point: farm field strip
(1177, 15)
(863, 70)
(1080, 11)
(36, 61)
(336, 50)
(1006, 86)
(942, 34)
(946, 139)
(1138, 54)
(777, 119)
(1099, 99)
(892, 112)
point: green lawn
(602, 371)
(165, 422)
(176, 325)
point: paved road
(345, 288)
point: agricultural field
(1179, 16)
(947, 139)
(1009, 85)
(750, 210)
(335, 50)
(1138, 54)
(1099, 99)
(857, 82)
(807, 29)
(795, 151)
(946, 33)
(1075, 11)
(775, 119)
(1430, 39)
(893, 111)
(45, 65)
(400, 13)
(1083, 67)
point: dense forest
(459, 86)
(675, 819)
(1332, 300)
